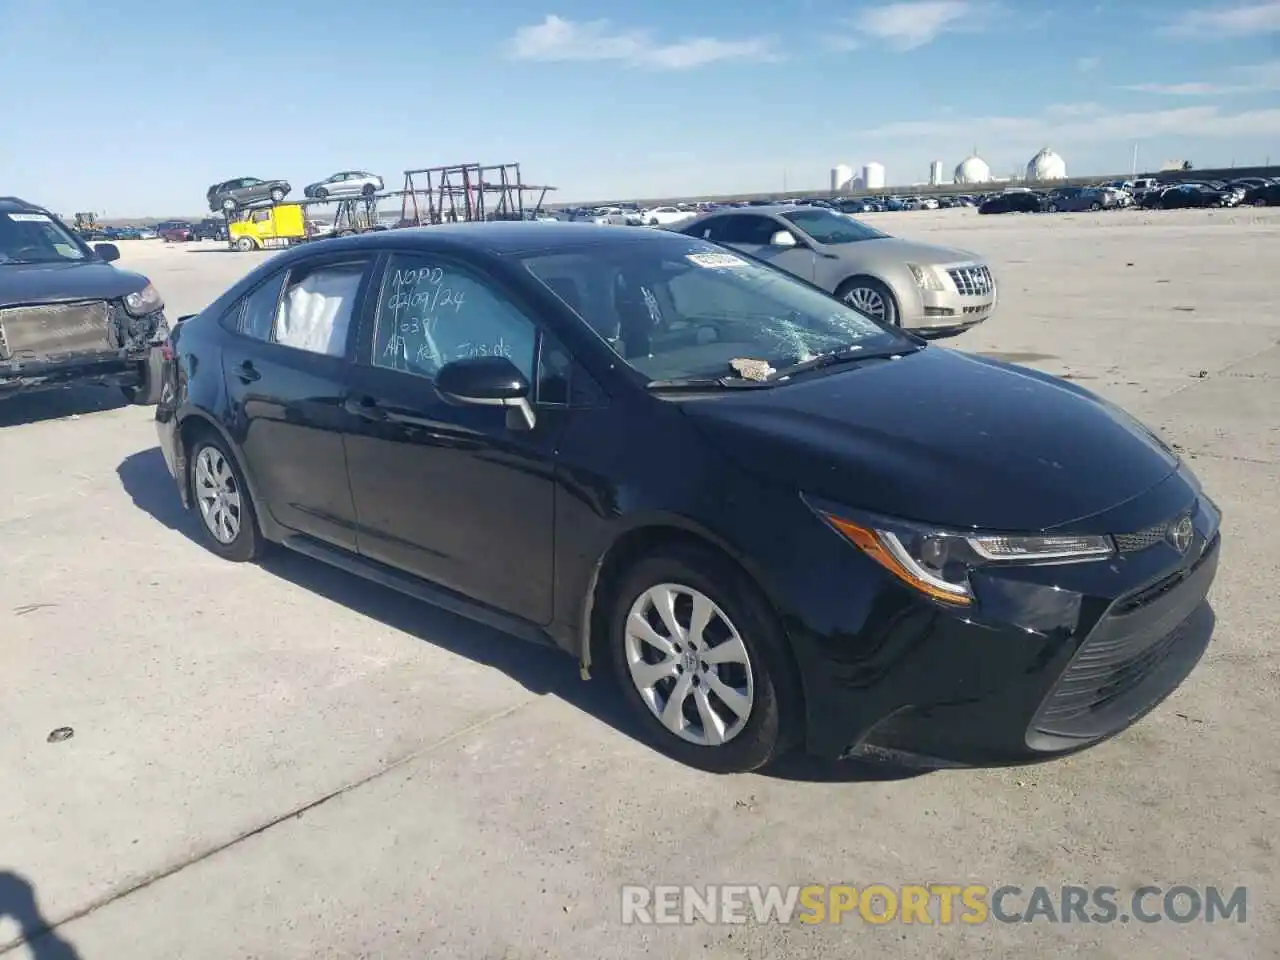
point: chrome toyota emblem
(1181, 534)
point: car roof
(18, 204)
(502, 238)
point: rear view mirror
(783, 238)
(486, 382)
(107, 252)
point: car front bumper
(1051, 659)
(934, 312)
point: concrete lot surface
(281, 761)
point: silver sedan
(924, 288)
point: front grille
(1133, 542)
(54, 330)
(972, 281)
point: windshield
(828, 227)
(36, 238)
(684, 309)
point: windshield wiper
(843, 355)
(708, 383)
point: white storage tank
(973, 169)
(935, 173)
(1046, 165)
(841, 177)
(873, 176)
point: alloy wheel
(218, 495)
(689, 664)
(866, 300)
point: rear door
(285, 370)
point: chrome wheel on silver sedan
(217, 494)
(689, 664)
(866, 300)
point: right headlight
(938, 563)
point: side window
(260, 216)
(258, 309)
(711, 229)
(315, 311)
(431, 313)
(746, 229)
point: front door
(754, 234)
(285, 376)
(462, 496)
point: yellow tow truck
(269, 228)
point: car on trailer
(68, 317)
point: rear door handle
(365, 407)
(247, 372)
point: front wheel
(703, 662)
(1053, 208)
(229, 205)
(870, 296)
(321, 193)
(222, 499)
(146, 393)
(277, 195)
(245, 244)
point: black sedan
(1190, 195)
(1015, 201)
(774, 521)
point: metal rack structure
(466, 192)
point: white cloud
(911, 24)
(558, 39)
(1257, 78)
(1088, 64)
(1089, 123)
(1241, 20)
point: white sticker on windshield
(716, 260)
(28, 217)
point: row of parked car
(1145, 195)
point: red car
(176, 232)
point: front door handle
(247, 372)
(364, 407)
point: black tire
(774, 723)
(229, 204)
(367, 190)
(147, 392)
(321, 193)
(245, 244)
(1095, 206)
(277, 195)
(248, 545)
(1053, 208)
(891, 314)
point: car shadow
(35, 933)
(540, 670)
(59, 404)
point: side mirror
(107, 252)
(783, 238)
(486, 382)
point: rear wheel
(229, 204)
(222, 499)
(870, 296)
(277, 195)
(703, 662)
(367, 190)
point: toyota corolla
(774, 521)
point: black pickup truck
(67, 316)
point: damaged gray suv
(68, 317)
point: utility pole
(1134, 171)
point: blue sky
(134, 108)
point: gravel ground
(281, 761)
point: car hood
(62, 282)
(941, 437)
(895, 248)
